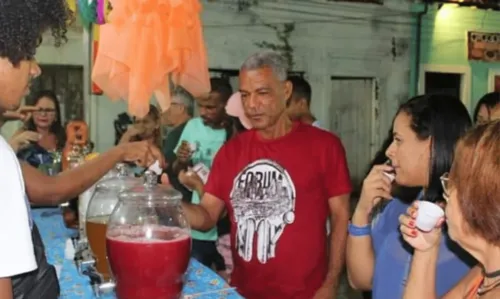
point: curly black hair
(22, 23)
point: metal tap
(84, 261)
(99, 285)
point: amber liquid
(96, 235)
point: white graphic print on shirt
(263, 199)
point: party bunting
(92, 11)
(72, 5)
(145, 45)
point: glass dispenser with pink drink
(148, 242)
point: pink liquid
(148, 269)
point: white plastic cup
(428, 215)
(390, 176)
(156, 168)
(193, 147)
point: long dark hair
(155, 114)
(490, 100)
(56, 128)
(444, 119)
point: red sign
(497, 84)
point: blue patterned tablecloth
(201, 281)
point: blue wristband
(359, 231)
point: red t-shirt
(276, 193)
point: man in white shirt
(16, 252)
(22, 23)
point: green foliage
(283, 33)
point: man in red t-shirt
(279, 182)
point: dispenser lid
(152, 192)
(119, 180)
(119, 169)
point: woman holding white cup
(472, 192)
(425, 131)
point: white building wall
(330, 39)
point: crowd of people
(259, 187)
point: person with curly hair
(24, 271)
(22, 259)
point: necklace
(491, 274)
(483, 289)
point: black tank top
(40, 283)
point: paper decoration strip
(101, 11)
(72, 5)
(95, 50)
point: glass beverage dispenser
(101, 205)
(148, 242)
(121, 169)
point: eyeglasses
(444, 182)
(45, 110)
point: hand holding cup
(421, 225)
(184, 152)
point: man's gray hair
(182, 96)
(270, 59)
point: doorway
(353, 119)
(448, 79)
(443, 83)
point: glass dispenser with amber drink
(99, 209)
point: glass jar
(148, 242)
(120, 169)
(100, 206)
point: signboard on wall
(483, 46)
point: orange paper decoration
(147, 43)
(95, 49)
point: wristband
(359, 231)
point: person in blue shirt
(424, 131)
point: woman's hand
(142, 153)
(376, 187)
(422, 241)
(23, 139)
(190, 179)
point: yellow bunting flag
(72, 5)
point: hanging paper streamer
(87, 9)
(103, 9)
(71, 5)
(95, 49)
(147, 43)
(108, 7)
(92, 11)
